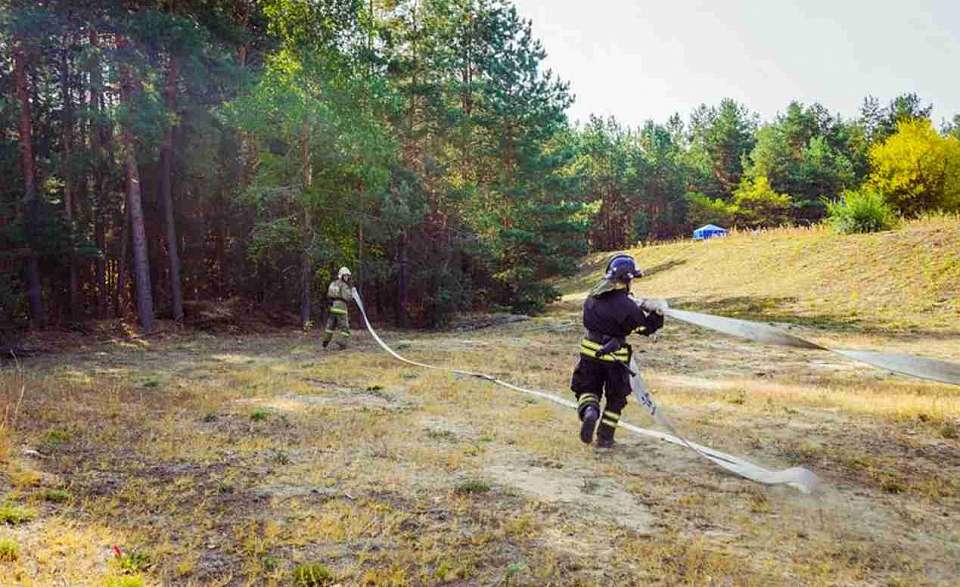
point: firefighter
(610, 314)
(338, 321)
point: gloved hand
(611, 346)
(656, 305)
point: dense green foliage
(190, 152)
(863, 210)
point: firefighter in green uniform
(338, 294)
(610, 314)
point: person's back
(610, 314)
(338, 322)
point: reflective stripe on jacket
(339, 292)
(588, 348)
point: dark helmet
(622, 268)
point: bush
(703, 210)
(759, 206)
(863, 210)
(917, 169)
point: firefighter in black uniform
(610, 314)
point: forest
(158, 156)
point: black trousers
(594, 380)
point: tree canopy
(163, 155)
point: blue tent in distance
(708, 231)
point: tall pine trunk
(97, 140)
(402, 281)
(166, 192)
(120, 291)
(141, 260)
(69, 185)
(32, 204)
(306, 270)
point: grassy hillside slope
(194, 459)
(907, 279)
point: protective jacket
(615, 314)
(338, 321)
(339, 293)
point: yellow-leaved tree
(917, 169)
(758, 205)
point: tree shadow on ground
(663, 267)
(783, 309)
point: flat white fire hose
(913, 366)
(797, 477)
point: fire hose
(797, 477)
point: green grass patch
(312, 575)
(259, 415)
(56, 437)
(124, 581)
(14, 514)
(472, 486)
(134, 561)
(9, 550)
(57, 495)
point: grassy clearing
(197, 460)
(387, 475)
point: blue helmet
(622, 268)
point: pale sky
(642, 59)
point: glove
(656, 305)
(611, 346)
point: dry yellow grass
(906, 279)
(234, 461)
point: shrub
(759, 206)
(703, 210)
(917, 169)
(862, 210)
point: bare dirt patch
(580, 490)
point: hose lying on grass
(797, 477)
(913, 366)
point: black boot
(607, 428)
(605, 436)
(590, 416)
(605, 442)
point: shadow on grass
(663, 267)
(782, 309)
